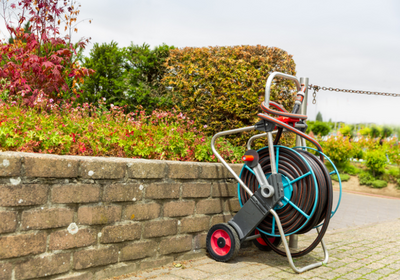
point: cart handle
(269, 83)
(265, 105)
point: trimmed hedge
(379, 184)
(221, 88)
(366, 178)
(343, 177)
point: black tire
(222, 242)
(276, 241)
(261, 244)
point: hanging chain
(317, 88)
(314, 95)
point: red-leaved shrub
(39, 64)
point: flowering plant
(96, 131)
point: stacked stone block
(69, 217)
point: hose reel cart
(282, 191)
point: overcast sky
(346, 44)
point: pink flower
(205, 126)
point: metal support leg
(271, 152)
(303, 110)
(293, 241)
(289, 255)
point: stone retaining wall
(70, 217)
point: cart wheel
(261, 244)
(222, 242)
(276, 241)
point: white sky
(346, 44)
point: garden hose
(291, 164)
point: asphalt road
(358, 210)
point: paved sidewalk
(369, 251)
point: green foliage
(367, 143)
(146, 68)
(375, 131)
(319, 117)
(386, 131)
(343, 177)
(346, 130)
(108, 81)
(365, 131)
(393, 152)
(221, 88)
(351, 169)
(320, 128)
(129, 77)
(366, 178)
(96, 131)
(379, 184)
(394, 172)
(376, 161)
(329, 166)
(4, 92)
(338, 149)
(396, 131)
(309, 126)
(357, 150)
(391, 174)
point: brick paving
(363, 243)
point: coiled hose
(292, 166)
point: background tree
(386, 131)
(320, 128)
(319, 117)
(109, 79)
(127, 76)
(146, 68)
(375, 131)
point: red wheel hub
(220, 242)
(261, 241)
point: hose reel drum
(282, 191)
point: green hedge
(221, 88)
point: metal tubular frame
(289, 255)
(269, 83)
(261, 135)
(272, 155)
(229, 132)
